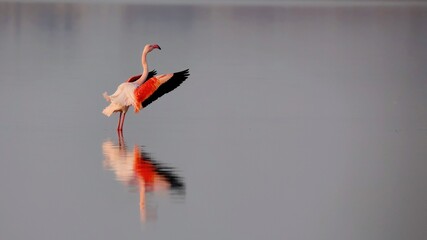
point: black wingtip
(185, 73)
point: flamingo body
(121, 99)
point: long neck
(144, 65)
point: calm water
(296, 123)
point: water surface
(296, 122)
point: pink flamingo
(141, 90)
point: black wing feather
(151, 74)
(171, 84)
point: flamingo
(143, 89)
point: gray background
(296, 122)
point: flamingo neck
(144, 65)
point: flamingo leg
(121, 121)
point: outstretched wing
(171, 84)
(136, 77)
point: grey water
(297, 122)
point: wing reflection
(137, 168)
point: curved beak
(157, 46)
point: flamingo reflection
(137, 168)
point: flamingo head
(149, 47)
